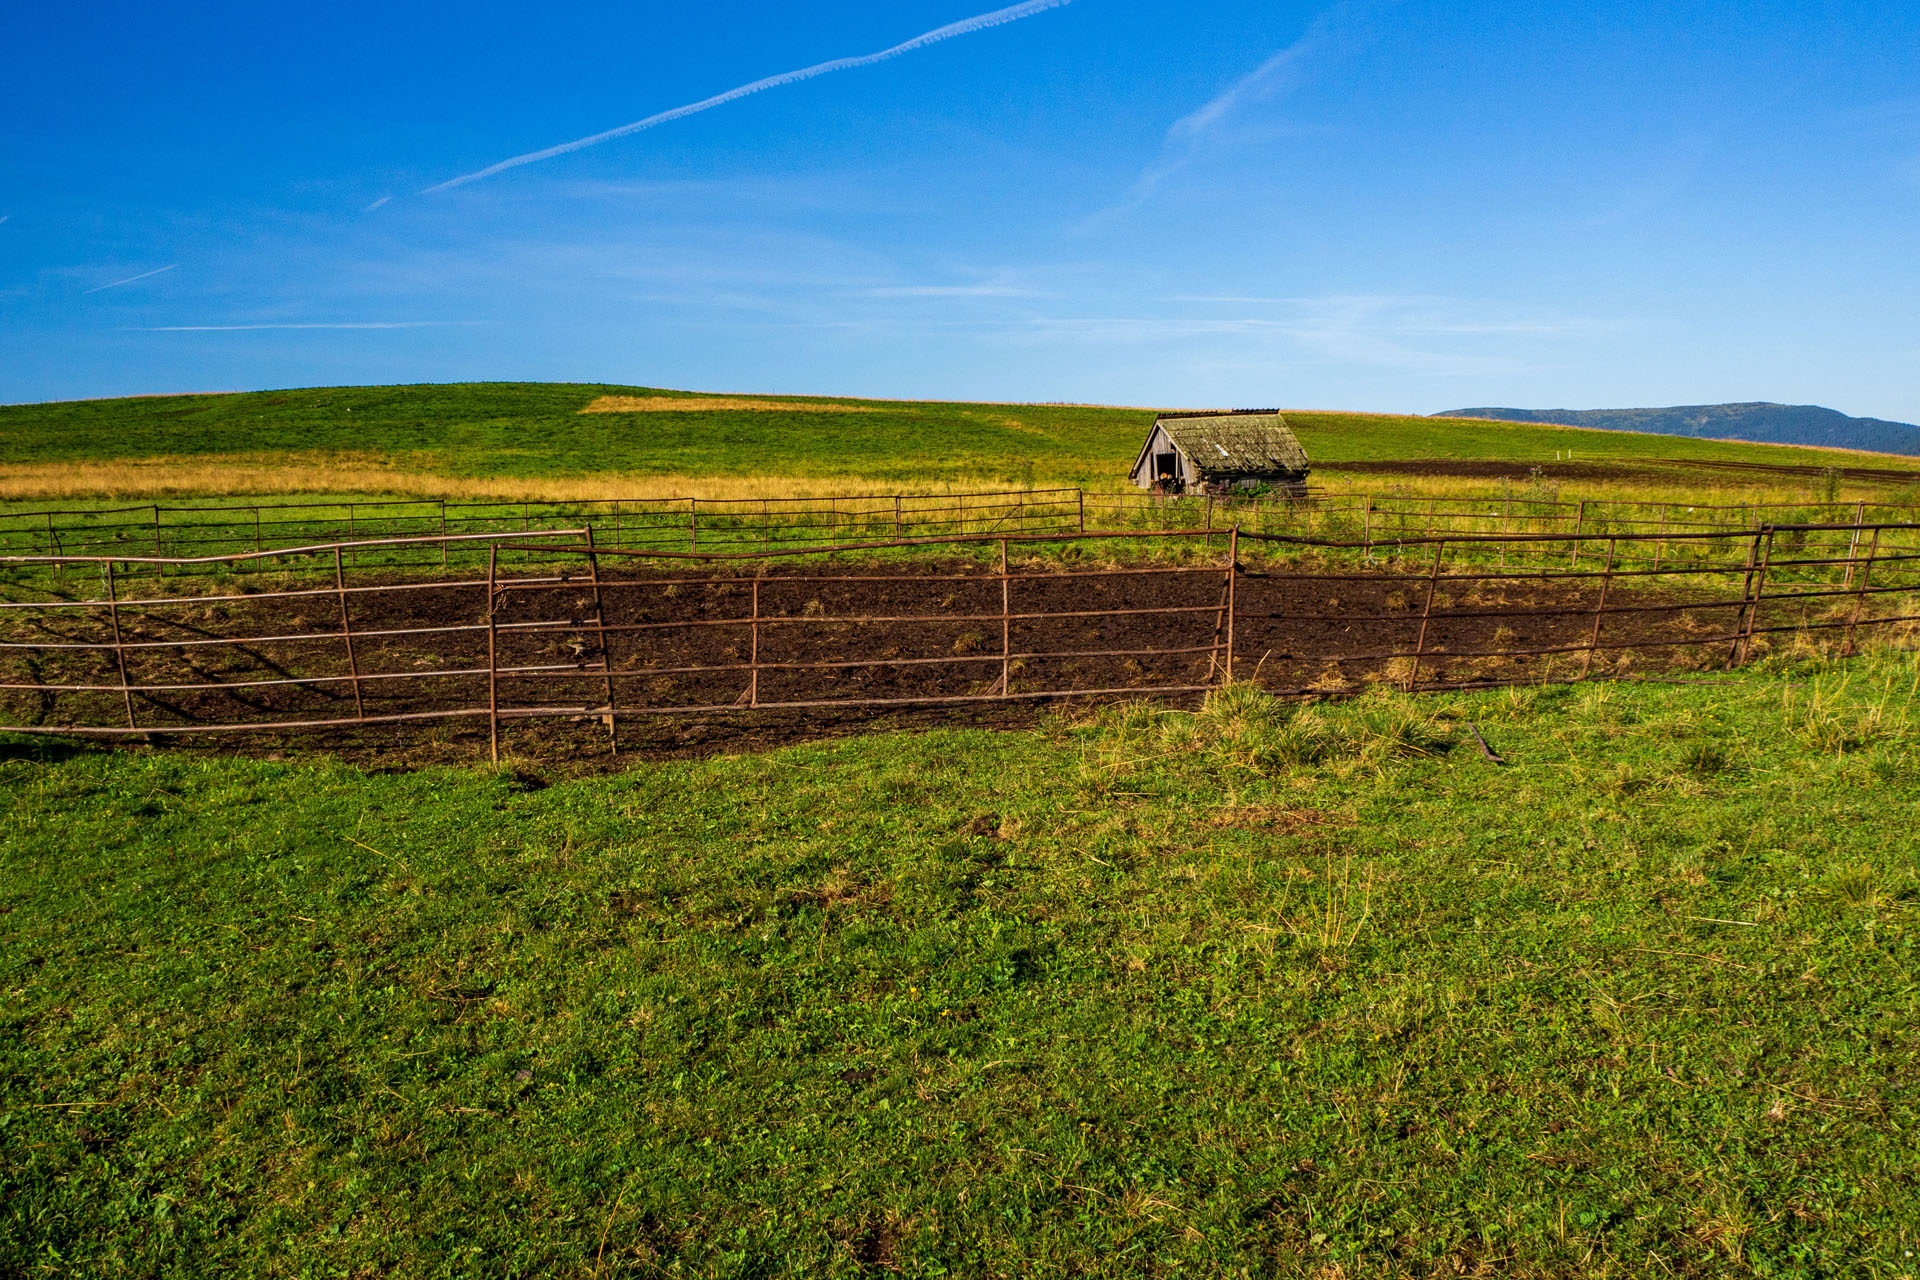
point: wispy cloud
(376, 204)
(950, 291)
(353, 324)
(1194, 133)
(966, 26)
(1415, 334)
(130, 279)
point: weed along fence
(551, 640)
(200, 534)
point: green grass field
(536, 432)
(1264, 990)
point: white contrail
(964, 27)
(129, 280)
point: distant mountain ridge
(1763, 423)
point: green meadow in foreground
(536, 430)
(1267, 989)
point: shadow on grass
(44, 750)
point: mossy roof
(1241, 443)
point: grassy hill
(439, 438)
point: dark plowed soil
(677, 646)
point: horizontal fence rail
(199, 533)
(513, 630)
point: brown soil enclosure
(554, 647)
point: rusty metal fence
(189, 532)
(196, 534)
(555, 627)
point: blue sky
(1403, 206)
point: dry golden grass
(1701, 489)
(368, 472)
(334, 474)
(703, 404)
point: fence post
(1080, 496)
(693, 524)
(53, 542)
(1429, 517)
(443, 533)
(346, 632)
(753, 651)
(1660, 547)
(1366, 530)
(600, 633)
(1860, 592)
(1751, 595)
(119, 648)
(1420, 646)
(1233, 571)
(159, 569)
(1579, 525)
(1853, 543)
(1006, 624)
(493, 664)
(896, 517)
(1599, 611)
(258, 545)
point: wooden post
(753, 652)
(1660, 547)
(693, 524)
(350, 523)
(119, 649)
(443, 533)
(1006, 624)
(346, 632)
(616, 522)
(1366, 530)
(1860, 592)
(896, 518)
(1429, 517)
(1579, 525)
(160, 570)
(1593, 640)
(1420, 646)
(600, 634)
(1754, 590)
(1233, 571)
(53, 543)
(1853, 543)
(1080, 496)
(493, 664)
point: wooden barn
(1215, 452)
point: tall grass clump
(1241, 729)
